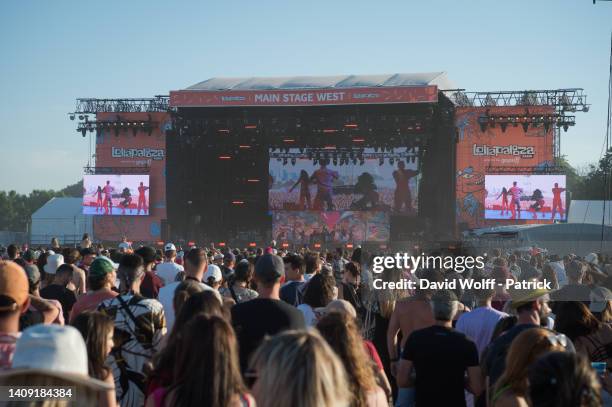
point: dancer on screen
(142, 200)
(403, 197)
(99, 200)
(304, 183)
(324, 179)
(557, 203)
(127, 199)
(515, 203)
(538, 203)
(108, 198)
(504, 197)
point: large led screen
(125, 194)
(372, 180)
(311, 227)
(527, 197)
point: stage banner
(305, 97)
(480, 153)
(129, 151)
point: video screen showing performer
(526, 197)
(372, 180)
(311, 227)
(115, 194)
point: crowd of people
(199, 326)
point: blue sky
(55, 51)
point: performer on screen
(99, 201)
(515, 203)
(365, 185)
(538, 203)
(504, 196)
(402, 196)
(557, 203)
(142, 200)
(108, 198)
(324, 179)
(127, 199)
(304, 183)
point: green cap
(100, 267)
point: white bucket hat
(53, 350)
(53, 263)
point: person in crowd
(338, 263)
(304, 366)
(196, 263)
(341, 333)
(41, 311)
(13, 252)
(101, 279)
(88, 255)
(590, 337)
(213, 277)
(601, 304)
(349, 288)
(58, 289)
(54, 356)
(511, 388)
(198, 303)
(72, 257)
(319, 292)
(229, 262)
(30, 256)
(183, 292)
(563, 379)
(266, 314)
(151, 283)
(50, 264)
(97, 330)
(313, 265)
(410, 314)
(549, 275)
(479, 324)
(168, 270)
(85, 242)
(575, 290)
(238, 285)
(139, 328)
(14, 301)
(55, 244)
(192, 382)
(292, 292)
(531, 306)
(439, 354)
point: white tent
(589, 212)
(62, 218)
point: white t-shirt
(479, 324)
(310, 315)
(166, 297)
(167, 271)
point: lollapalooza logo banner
(512, 150)
(151, 153)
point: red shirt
(151, 285)
(557, 193)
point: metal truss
(567, 100)
(116, 170)
(158, 103)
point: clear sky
(52, 52)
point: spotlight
(285, 161)
(335, 161)
(391, 161)
(80, 117)
(381, 161)
(293, 161)
(71, 117)
(83, 131)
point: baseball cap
(87, 251)
(599, 299)
(100, 267)
(30, 255)
(13, 284)
(229, 257)
(213, 271)
(523, 296)
(33, 274)
(169, 247)
(269, 268)
(123, 246)
(147, 253)
(218, 256)
(53, 350)
(591, 258)
(53, 262)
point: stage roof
(313, 90)
(438, 79)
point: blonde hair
(304, 365)
(82, 397)
(525, 349)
